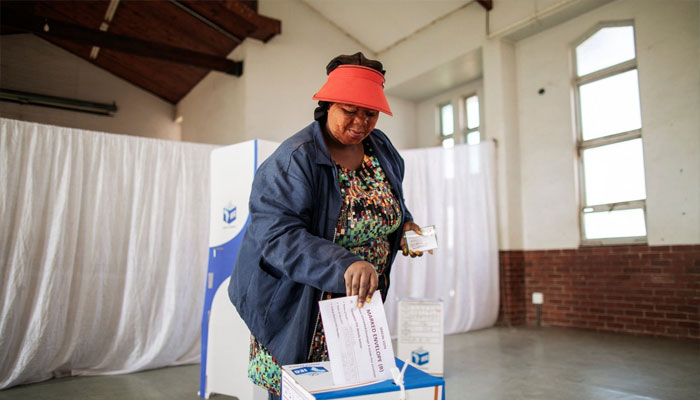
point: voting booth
(225, 337)
(313, 381)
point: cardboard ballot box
(314, 381)
(421, 334)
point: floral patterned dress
(369, 214)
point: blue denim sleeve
(282, 206)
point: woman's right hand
(361, 280)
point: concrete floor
(496, 363)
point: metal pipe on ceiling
(64, 103)
(206, 21)
(109, 14)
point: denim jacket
(288, 257)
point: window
(467, 121)
(447, 125)
(471, 112)
(610, 147)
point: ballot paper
(427, 240)
(358, 340)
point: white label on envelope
(358, 340)
(424, 242)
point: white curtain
(452, 189)
(104, 247)
(103, 252)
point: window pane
(474, 137)
(607, 47)
(614, 173)
(448, 143)
(612, 224)
(472, 104)
(447, 119)
(610, 106)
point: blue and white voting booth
(225, 337)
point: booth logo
(230, 213)
(309, 370)
(420, 356)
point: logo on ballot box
(230, 213)
(309, 370)
(420, 356)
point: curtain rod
(63, 103)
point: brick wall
(512, 282)
(645, 290)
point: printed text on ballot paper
(358, 340)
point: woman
(327, 218)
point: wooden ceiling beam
(487, 4)
(266, 28)
(42, 26)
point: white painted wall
(667, 35)
(516, 19)
(453, 36)
(214, 110)
(401, 128)
(669, 78)
(501, 124)
(31, 64)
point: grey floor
(496, 363)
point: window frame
(441, 136)
(465, 126)
(582, 145)
(457, 98)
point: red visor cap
(356, 85)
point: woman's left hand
(411, 226)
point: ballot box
(421, 334)
(313, 381)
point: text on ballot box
(421, 337)
(314, 381)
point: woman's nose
(361, 118)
